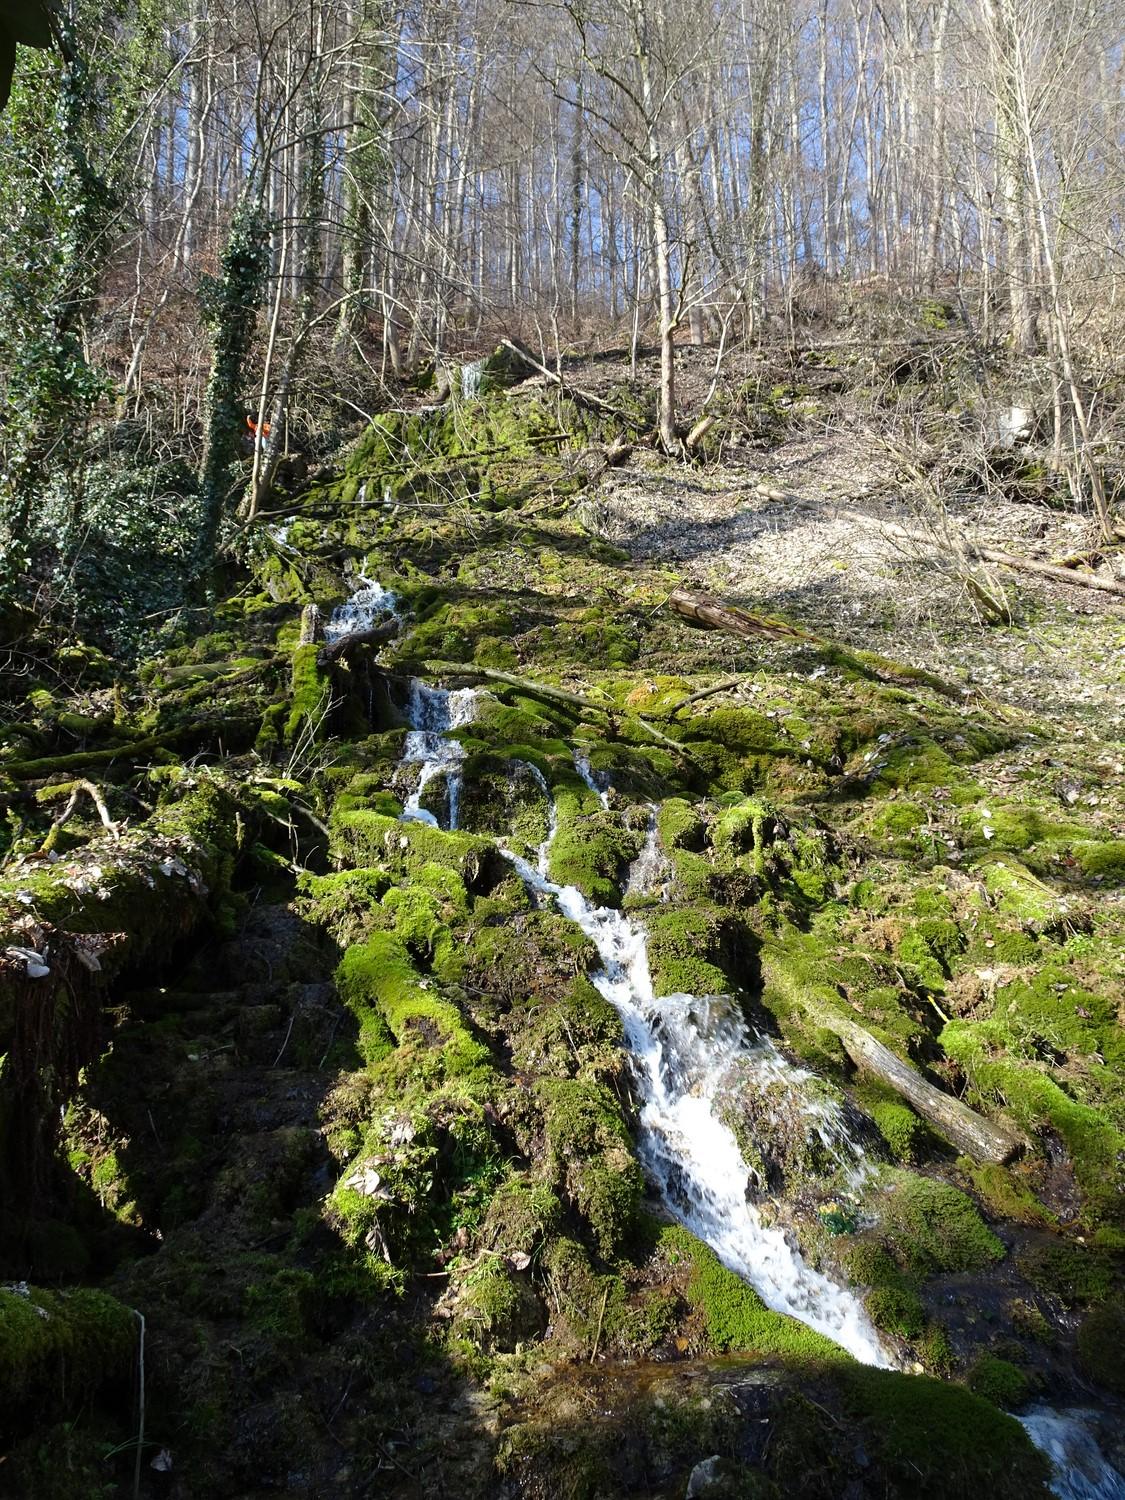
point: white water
(471, 379)
(360, 612)
(582, 766)
(1081, 1469)
(433, 712)
(683, 1047)
(651, 874)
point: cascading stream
(367, 603)
(1082, 1471)
(681, 1047)
(684, 1048)
(433, 712)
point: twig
(141, 1405)
(717, 687)
(601, 1319)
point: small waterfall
(682, 1048)
(432, 712)
(471, 376)
(543, 853)
(582, 766)
(651, 873)
(367, 603)
(1082, 1471)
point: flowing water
(685, 1049)
(433, 712)
(369, 601)
(682, 1048)
(1082, 1471)
(470, 379)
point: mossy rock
(933, 1226)
(998, 1381)
(1076, 1274)
(700, 950)
(593, 1159)
(734, 1317)
(57, 1348)
(1101, 1339)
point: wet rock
(706, 1478)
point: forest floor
(332, 1102)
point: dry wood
(1008, 559)
(721, 616)
(579, 394)
(699, 432)
(771, 492)
(1047, 570)
(706, 610)
(716, 687)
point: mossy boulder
(59, 1348)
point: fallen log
(559, 695)
(1046, 570)
(706, 610)
(971, 1133)
(1003, 559)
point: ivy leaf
(27, 22)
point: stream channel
(682, 1048)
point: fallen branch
(716, 687)
(712, 612)
(970, 1132)
(559, 695)
(577, 393)
(75, 789)
(1005, 559)
(1046, 570)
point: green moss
(934, 1227)
(680, 825)
(1101, 1339)
(699, 950)
(998, 1381)
(1006, 1196)
(1016, 891)
(343, 903)
(592, 850)
(939, 1440)
(372, 838)
(900, 1127)
(1101, 861)
(1073, 1273)
(592, 1158)
(309, 696)
(735, 1317)
(1033, 1098)
(383, 989)
(58, 1347)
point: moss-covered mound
(332, 1099)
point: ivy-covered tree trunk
(54, 204)
(231, 303)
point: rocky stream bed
(423, 1045)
